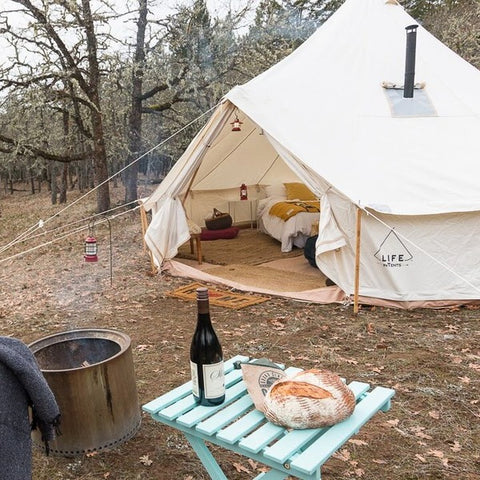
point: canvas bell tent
(397, 176)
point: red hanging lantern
(236, 124)
(90, 249)
(243, 192)
(90, 246)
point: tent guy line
(418, 247)
(66, 235)
(24, 236)
(40, 225)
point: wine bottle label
(214, 380)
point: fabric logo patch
(393, 253)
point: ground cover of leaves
(430, 357)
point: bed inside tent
(266, 254)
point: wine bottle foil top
(202, 293)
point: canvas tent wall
(324, 116)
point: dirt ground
(430, 357)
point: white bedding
(294, 231)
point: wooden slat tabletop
(238, 426)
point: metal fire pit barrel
(91, 373)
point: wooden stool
(196, 237)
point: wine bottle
(206, 357)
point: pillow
(225, 233)
(276, 190)
(298, 191)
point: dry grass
(431, 357)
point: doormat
(222, 298)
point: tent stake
(357, 260)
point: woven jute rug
(222, 298)
(250, 247)
(269, 278)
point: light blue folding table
(236, 425)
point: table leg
(199, 250)
(195, 239)
(206, 458)
(231, 211)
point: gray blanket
(22, 385)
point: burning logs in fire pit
(91, 373)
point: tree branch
(22, 150)
(40, 17)
(165, 86)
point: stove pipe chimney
(410, 61)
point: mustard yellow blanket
(286, 210)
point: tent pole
(144, 220)
(357, 260)
(184, 199)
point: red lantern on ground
(243, 192)
(236, 124)
(90, 249)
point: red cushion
(226, 233)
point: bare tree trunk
(115, 167)
(135, 118)
(71, 180)
(64, 171)
(91, 174)
(81, 167)
(10, 181)
(99, 151)
(49, 176)
(63, 184)
(32, 181)
(53, 184)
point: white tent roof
(325, 104)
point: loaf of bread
(311, 399)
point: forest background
(79, 102)
(82, 102)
